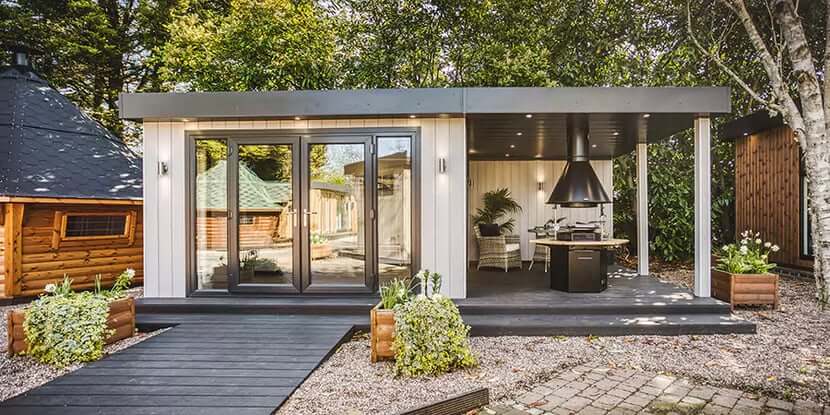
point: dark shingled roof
(49, 148)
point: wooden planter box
(121, 318)
(751, 289)
(383, 333)
(321, 251)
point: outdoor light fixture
(512, 146)
(593, 146)
(528, 115)
(163, 168)
(412, 116)
(442, 165)
(297, 118)
(616, 133)
(646, 115)
(539, 186)
(519, 133)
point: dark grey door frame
(234, 265)
(272, 136)
(370, 221)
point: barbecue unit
(580, 253)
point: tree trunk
(818, 176)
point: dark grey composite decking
(206, 364)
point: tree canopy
(92, 50)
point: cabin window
(95, 225)
(107, 226)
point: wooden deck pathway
(206, 364)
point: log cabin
(70, 191)
(771, 188)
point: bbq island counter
(579, 266)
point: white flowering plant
(749, 256)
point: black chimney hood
(579, 186)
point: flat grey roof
(357, 103)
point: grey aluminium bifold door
(264, 194)
(337, 214)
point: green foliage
(430, 337)
(64, 327)
(254, 45)
(497, 203)
(671, 196)
(749, 256)
(318, 239)
(90, 50)
(251, 262)
(430, 282)
(395, 292)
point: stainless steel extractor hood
(579, 185)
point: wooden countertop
(554, 242)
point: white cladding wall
(443, 196)
(521, 177)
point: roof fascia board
(422, 101)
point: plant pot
(382, 333)
(121, 318)
(748, 289)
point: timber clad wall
(767, 192)
(2, 252)
(35, 255)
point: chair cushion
(489, 229)
(512, 247)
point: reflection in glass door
(266, 222)
(336, 237)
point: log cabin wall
(2, 252)
(41, 256)
(768, 194)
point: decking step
(623, 306)
(606, 325)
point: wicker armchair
(502, 251)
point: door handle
(306, 214)
(293, 213)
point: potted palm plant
(497, 203)
(743, 275)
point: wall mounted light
(540, 185)
(442, 165)
(163, 168)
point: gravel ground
(21, 373)
(789, 358)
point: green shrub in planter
(430, 337)
(65, 327)
(62, 330)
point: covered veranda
(526, 151)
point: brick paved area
(590, 389)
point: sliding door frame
(271, 136)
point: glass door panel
(394, 207)
(211, 214)
(337, 243)
(265, 233)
